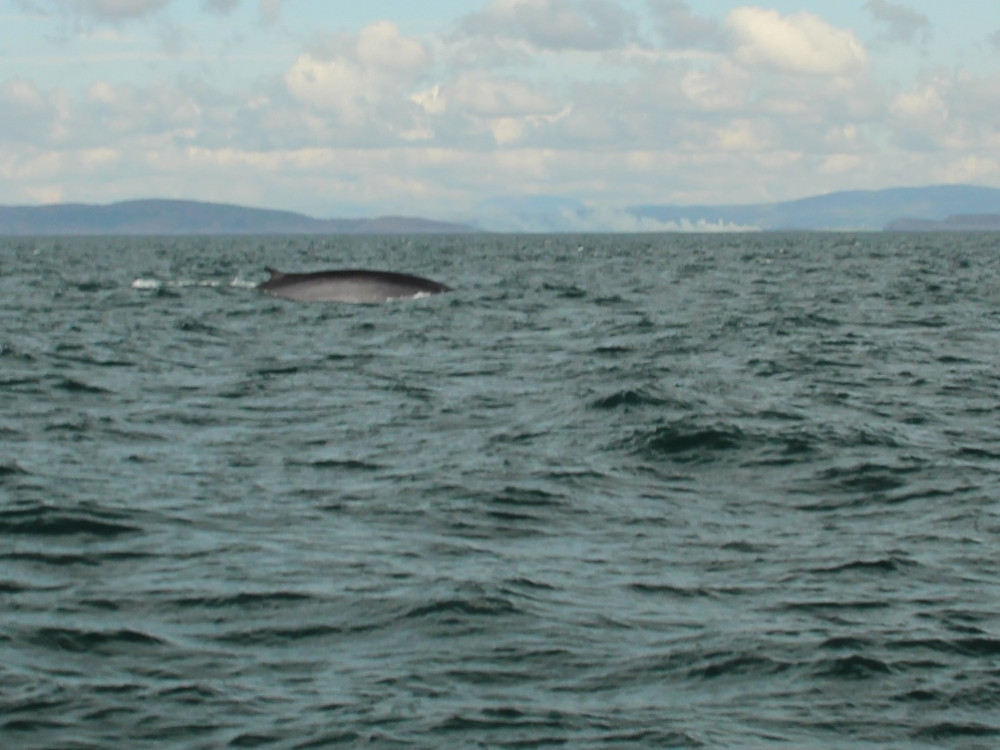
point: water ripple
(651, 491)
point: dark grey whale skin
(350, 285)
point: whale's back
(348, 285)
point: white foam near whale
(144, 283)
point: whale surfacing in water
(352, 285)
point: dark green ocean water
(735, 491)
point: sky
(438, 108)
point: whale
(348, 285)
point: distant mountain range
(894, 209)
(172, 217)
(937, 208)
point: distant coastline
(178, 217)
(950, 208)
(958, 223)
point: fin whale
(350, 285)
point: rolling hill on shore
(171, 217)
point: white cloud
(30, 165)
(744, 135)
(121, 110)
(333, 84)
(507, 130)
(565, 97)
(380, 65)
(800, 43)
(102, 92)
(46, 194)
(22, 94)
(972, 170)
(489, 96)
(30, 114)
(380, 46)
(835, 164)
(922, 105)
(101, 157)
(948, 114)
(722, 87)
(431, 101)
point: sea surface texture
(671, 491)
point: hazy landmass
(937, 208)
(171, 217)
(959, 223)
(863, 210)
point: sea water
(613, 491)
